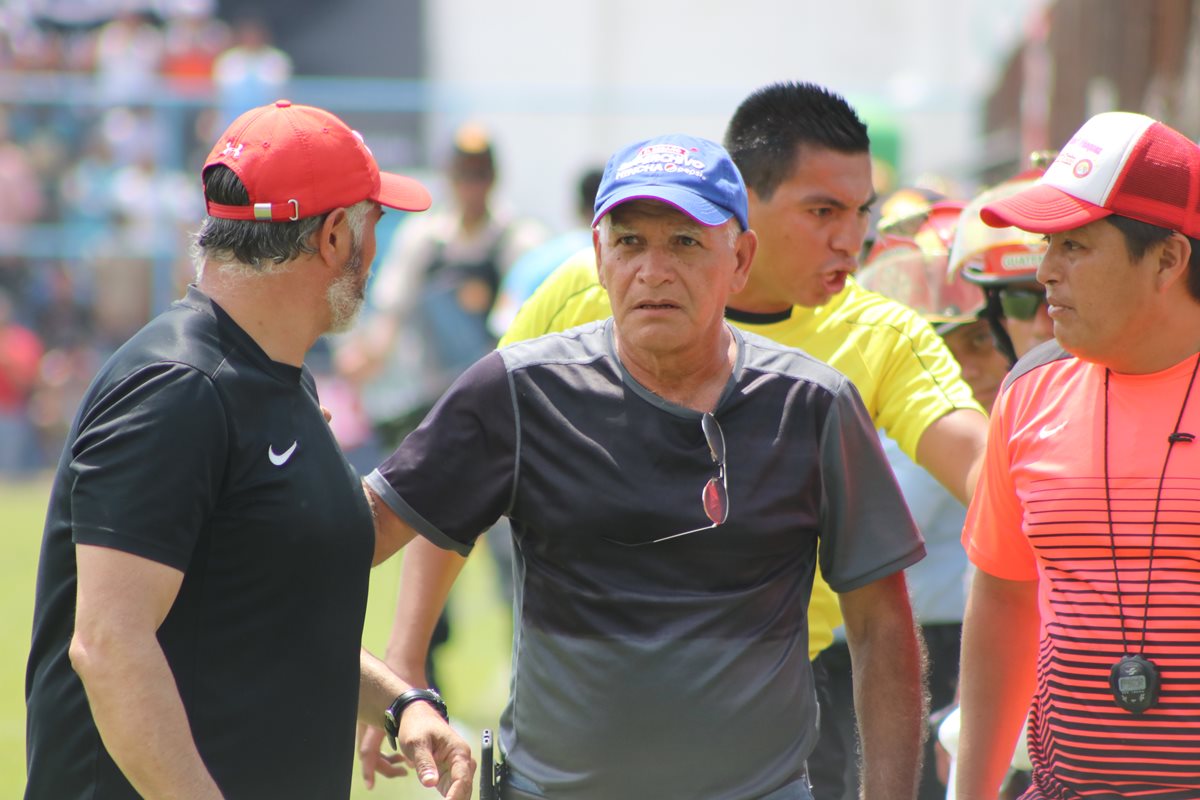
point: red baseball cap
(299, 161)
(1117, 163)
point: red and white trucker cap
(1117, 163)
(299, 161)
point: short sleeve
(148, 463)
(571, 296)
(922, 384)
(454, 476)
(993, 534)
(867, 532)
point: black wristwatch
(391, 715)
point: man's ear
(333, 237)
(596, 250)
(744, 249)
(1173, 259)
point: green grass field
(474, 663)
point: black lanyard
(1134, 678)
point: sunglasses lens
(1020, 304)
(716, 501)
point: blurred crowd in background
(87, 207)
(107, 108)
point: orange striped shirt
(1040, 513)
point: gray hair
(246, 248)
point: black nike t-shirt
(195, 450)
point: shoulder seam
(1043, 355)
(516, 407)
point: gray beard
(346, 294)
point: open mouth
(836, 280)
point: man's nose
(1047, 270)
(849, 235)
(655, 266)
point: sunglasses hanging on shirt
(714, 497)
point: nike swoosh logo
(279, 459)
(1048, 430)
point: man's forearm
(378, 686)
(892, 708)
(889, 688)
(999, 650)
(951, 450)
(141, 719)
(426, 576)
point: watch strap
(393, 713)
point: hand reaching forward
(440, 757)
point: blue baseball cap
(692, 174)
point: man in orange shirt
(1083, 525)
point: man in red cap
(205, 562)
(1083, 524)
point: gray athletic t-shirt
(679, 668)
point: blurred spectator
(86, 191)
(121, 297)
(155, 203)
(62, 311)
(434, 289)
(250, 73)
(128, 56)
(193, 40)
(20, 354)
(33, 47)
(21, 203)
(535, 266)
(133, 131)
(21, 198)
(1004, 263)
(63, 377)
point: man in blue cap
(672, 484)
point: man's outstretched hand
(428, 746)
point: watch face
(389, 721)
